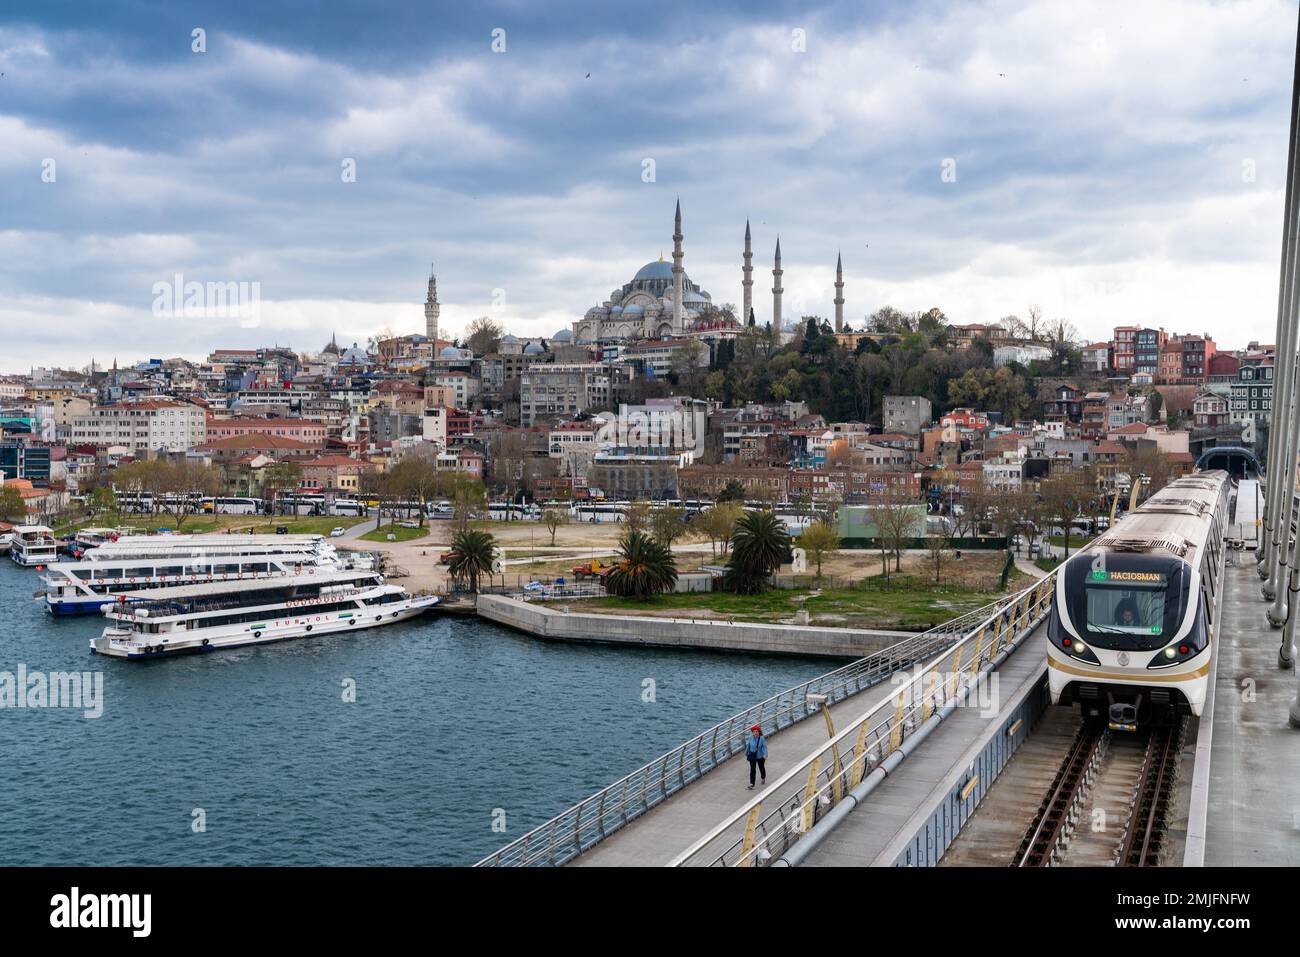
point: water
(453, 719)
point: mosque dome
(449, 352)
(654, 270)
(564, 335)
(533, 349)
(509, 338)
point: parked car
(337, 531)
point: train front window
(1127, 610)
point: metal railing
(587, 823)
(833, 770)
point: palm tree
(759, 545)
(644, 568)
(471, 556)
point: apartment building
(153, 424)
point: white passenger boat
(198, 618)
(33, 545)
(82, 588)
(160, 546)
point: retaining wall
(685, 632)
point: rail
(567, 835)
(846, 760)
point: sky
(1111, 162)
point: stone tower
(747, 284)
(839, 293)
(431, 309)
(677, 271)
(776, 288)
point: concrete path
(1254, 801)
(658, 836)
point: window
(1132, 604)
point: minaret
(776, 288)
(677, 271)
(839, 293)
(431, 310)
(747, 284)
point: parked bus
(597, 512)
(232, 505)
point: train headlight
(1171, 652)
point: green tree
(11, 504)
(758, 547)
(101, 499)
(717, 523)
(644, 568)
(820, 541)
(667, 525)
(733, 491)
(471, 558)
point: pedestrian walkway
(655, 839)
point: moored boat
(82, 588)
(200, 618)
(33, 545)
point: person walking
(756, 754)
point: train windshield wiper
(1107, 629)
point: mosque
(662, 302)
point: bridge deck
(1254, 792)
(671, 827)
(878, 831)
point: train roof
(1175, 521)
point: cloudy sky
(1115, 162)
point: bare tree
(553, 518)
(893, 511)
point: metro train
(1131, 629)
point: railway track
(1144, 836)
(1053, 825)
(1103, 778)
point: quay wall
(685, 632)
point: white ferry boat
(199, 618)
(33, 545)
(162, 546)
(82, 588)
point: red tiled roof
(259, 440)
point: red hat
(755, 728)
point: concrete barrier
(685, 632)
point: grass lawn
(1048, 564)
(1076, 541)
(906, 603)
(399, 533)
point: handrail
(593, 819)
(832, 771)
